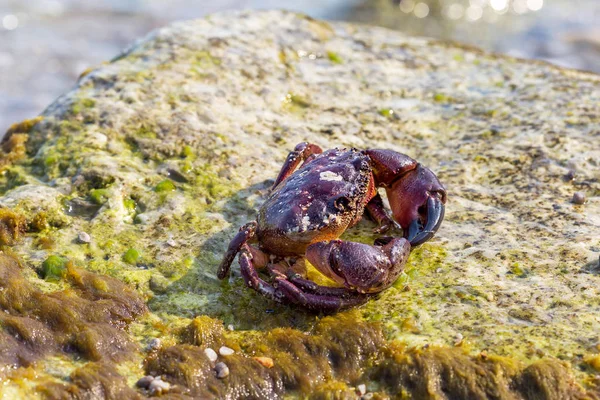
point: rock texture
(160, 155)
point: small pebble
(158, 386)
(362, 389)
(222, 370)
(578, 198)
(144, 382)
(172, 243)
(211, 354)
(230, 327)
(265, 361)
(154, 344)
(226, 351)
(458, 339)
(84, 237)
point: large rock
(148, 167)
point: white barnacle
(305, 223)
(330, 176)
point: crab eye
(342, 203)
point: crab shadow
(199, 292)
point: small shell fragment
(158, 386)
(84, 237)
(211, 354)
(222, 370)
(154, 344)
(362, 389)
(265, 361)
(226, 351)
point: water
(46, 44)
(564, 32)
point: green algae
(166, 185)
(386, 112)
(54, 268)
(99, 196)
(131, 256)
(334, 57)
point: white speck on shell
(226, 351)
(305, 223)
(330, 176)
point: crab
(315, 198)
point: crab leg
(245, 233)
(302, 152)
(318, 302)
(248, 270)
(377, 212)
(311, 287)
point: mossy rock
(160, 155)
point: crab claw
(361, 267)
(417, 201)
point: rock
(84, 237)
(222, 370)
(154, 344)
(226, 351)
(158, 386)
(144, 382)
(500, 133)
(211, 354)
(266, 362)
(578, 198)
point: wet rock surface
(160, 155)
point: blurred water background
(46, 44)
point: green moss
(334, 57)
(386, 112)
(131, 256)
(295, 102)
(129, 204)
(187, 151)
(51, 160)
(99, 196)
(440, 98)
(209, 183)
(165, 186)
(145, 132)
(54, 268)
(519, 271)
(82, 104)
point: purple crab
(310, 207)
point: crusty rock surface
(161, 154)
